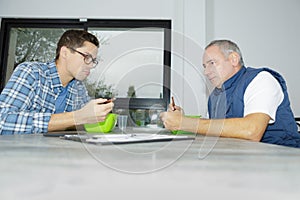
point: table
(36, 167)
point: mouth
(87, 73)
(211, 79)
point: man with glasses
(246, 103)
(46, 97)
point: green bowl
(178, 132)
(102, 127)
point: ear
(63, 52)
(234, 58)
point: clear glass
(122, 122)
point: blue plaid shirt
(28, 99)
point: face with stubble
(218, 68)
(81, 60)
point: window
(134, 54)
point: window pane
(136, 62)
(132, 62)
(31, 44)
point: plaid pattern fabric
(28, 99)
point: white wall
(267, 32)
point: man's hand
(93, 112)
(172, 106)
(172, 120)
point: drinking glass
(122, 122)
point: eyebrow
(86, 53)
(89, 54)
(210, 61)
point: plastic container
(103, 127)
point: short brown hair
(75, 39)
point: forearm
(93, 112)
(233, 127)
(251, 127)
(61, 121)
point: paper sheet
(106, 139)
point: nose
(206, 71)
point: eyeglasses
(87, 58)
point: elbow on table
(255, 126)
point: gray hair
(227, 47)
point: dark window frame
(121, 103)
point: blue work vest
(228, 102)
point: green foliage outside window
(100, 89)
(35, 44)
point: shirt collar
(228, 84)
(54, 74)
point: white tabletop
(37, 167)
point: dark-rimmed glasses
(87, 58)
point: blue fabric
(229, 102)
(28, 99)
(61, 100)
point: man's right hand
(93, 112)
(173, 108)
